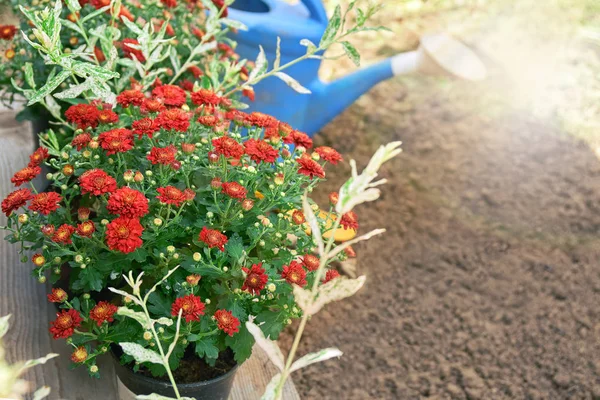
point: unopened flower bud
(93, 144)
(68, 170)
(193, 279)
(213, 157)
(157, 221)
(49, 176)
(216, 183)
(104, 222)
(64, 155)
(82, 266)
(261, 243)
(138, 177)
(197, 256)
(161, 330)
(88, 154)
(42, 279)
(23, 218)
(170, 249)
(271, 287)
(279, 179)
(147, 335)
(176, 256)
(148, 173)
(315, 156)
(128, 176)
(225, 269)
(209, 214)
(207, 301)
(57, 260)
(78, 258)
(288, 321)
(188, 148)
(247, 204)
(94, 369)
(83, 213)
(334, 197)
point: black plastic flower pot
(132, 384)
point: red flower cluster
(309, 167)
(298, 217)
(58, 295)
(108, 117)
(228, 147)
(45, 202)
(7, 32)
(259, 150)
(294, 274)
(127, 202)
(117, 140)
(103, 312)
(208, 120)
(331, 275)
(144, 126)
(65, 324)
(38, 156)
(170, 95)
(83, 115)
(82, 140)
(233, 190)
(63, 234)
(205, 96)
(213, 238)
(130, 97)
(256, 279)
(25, 175)
(86, 229)
(162, 155)
(16, 200)
(124, 234)
(329, 154)
(298, 138)
(173, 118)
(191, 306)
(261, 120)
(227, 322)
(97, 182)
(311, 262)
(171, 195)
(349, 220)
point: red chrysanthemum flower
(298, 138)
(117, 140)
(25, 175)
(82, 140)
(45, 202)
(285, 129)
(236, 116)
(334, 197)
(63, 234)
(259, 150)
(261, 120)
(152, 106)
(256, 279)
(213, 238)
(97, 182)
(86, 229)
(189, 194)
(196, 71)
(103, 312)
(227, 322)
(220, 4)
(58, 295)
(124, 234)
(188, 148)
(294, 274)
(83, 213)
(311, 262)
(38, 156)
(331, 275)
(83, 115)
(65, 324)
(169, 3)
(108, 117)
(228, 147)
(173, 118)
(127, 202)
(191, 306)
(162, 155)
(7, 32)
(205, 96)
(329, 154)
(298, 217)
(48, 230)
(170, 95)
(171, 195)
(15, 200)
(131, 50)
(144, 126)
(309, 167)
(233, 190)
(38, 260)
(130, 97)
(186, 85)
(209, 120)
(349, 220)
(79, 355)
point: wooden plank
(22, 296)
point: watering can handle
(316, 10)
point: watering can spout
(437, 54)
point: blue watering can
(268, 19)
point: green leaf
(158, 305)
(233, 24)
(49, 87)
(72, 26)
(241, 343)
(88, 279)
(206, 348)
(235, 249)
(352, 53)
(332, 28)
(291, 82)
(132, 26)
(28, 69)
(94, 14)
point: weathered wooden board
(23, 297)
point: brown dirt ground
(486, 284)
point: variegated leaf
(271, 392)
(316, 357)
(269, 346)
(291, 82)
(141, 354)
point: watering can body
(269, 19)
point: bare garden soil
(487, 282)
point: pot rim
(167, 384)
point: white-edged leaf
(310, 46)
(204, 47)
(4, 325)
(37, 361)
(175, 61)
(260, 65)
(49, 87)
(232, 23)
(73, 5)
(52, 106)
(132, 26)
(316, 357)
(351, 52)
(277, 54)
(269, 346)
(304, 298)
(164, 321)
(126, 295)
(348, 243)
(140, 354)
(332, 28)
(291, 82)
(271, 392)
(94, 14)
(336, 289)
(313, 223)
(137, 315)
(75, 90)
(176, 337)
(72, 26)
(28, 70)
(41, 393)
